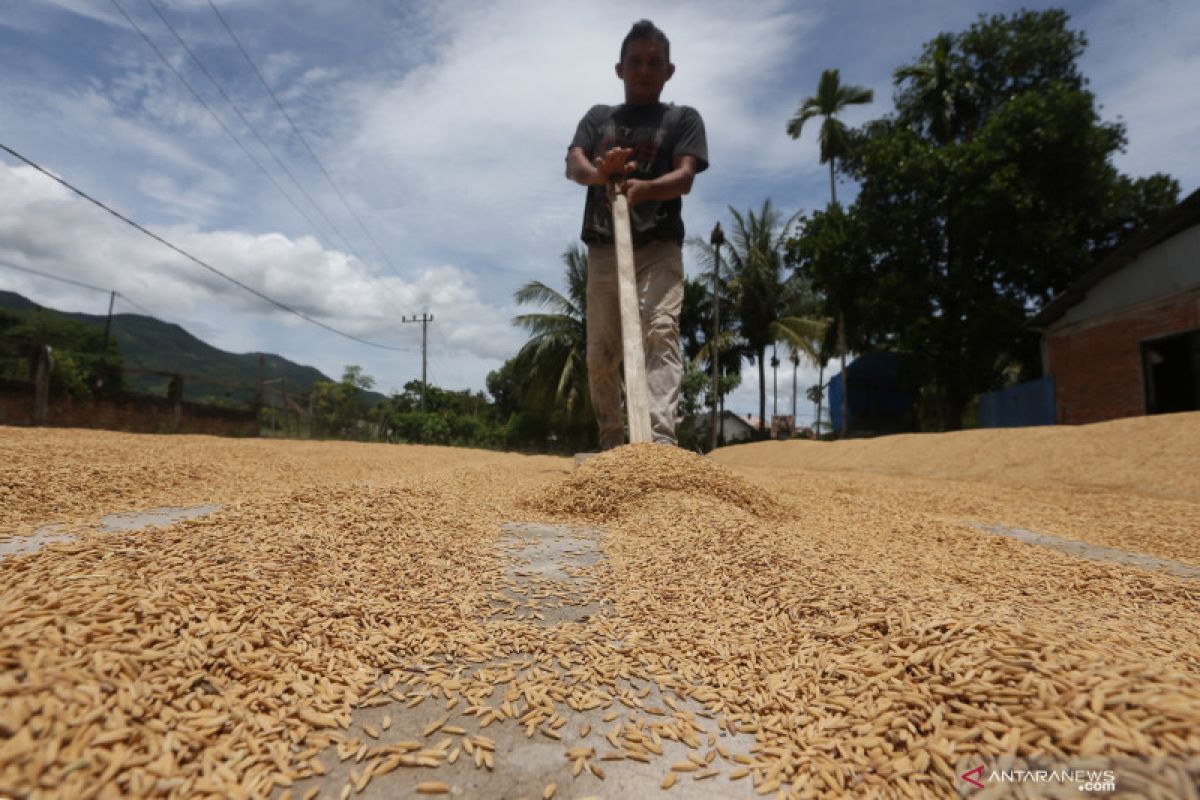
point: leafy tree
(988, 191)
(339, 407)
(79, 367)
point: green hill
(149, 345)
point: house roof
(1183, 216)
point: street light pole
(716, 240)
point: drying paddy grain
(869, 640)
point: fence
(1020, 406)
(122, 411)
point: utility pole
(112, 298)
(716, 240)
(424, 319)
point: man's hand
(674, 184)
(614, 164)
(634, 190)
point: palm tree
(940, 99)
(760, 289)
(802, 336)
(553, 363)
(695, 326)
(831, 99)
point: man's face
(644, 70)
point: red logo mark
(977, 772)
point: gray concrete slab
(110, 523)
(549, 570)
(1093, 552)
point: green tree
(340, 407)
(831, 99)
(696, 331)
(988, 191)
(79, 367)
(552, 365)
(760, 284)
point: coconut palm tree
(553, 362)
(940, 99)
(802, 336)
(830, 100)
(759, 284)
(696, 324)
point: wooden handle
(637, 393)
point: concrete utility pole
(424, 319)
(112, 298)
(716, 240)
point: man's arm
(675, 183)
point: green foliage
(79, 368)
(763, 290)
(990, 190)
(549, 374)
(146, 343)
(340, 409)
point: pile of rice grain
(605, 487)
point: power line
(162, 57)
(248, 124)
(190, 257)
(270, 150)
(53, 277)
(300, 136)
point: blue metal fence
(1019, 406)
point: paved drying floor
(332, 617)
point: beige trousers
(659, 269)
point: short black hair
(645, 29)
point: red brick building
(1125, 339)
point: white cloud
(327, 284)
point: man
(650, 151)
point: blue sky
(444, 126)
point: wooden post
(175, 397)
(637, 392)
(41, 385)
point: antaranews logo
(1053, 779)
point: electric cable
(194, 259)
(301, 137)
(271, 151)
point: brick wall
(1097, 363)
(133, 413)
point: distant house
(733, 428)
(1124, 340)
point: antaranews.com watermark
(1008, 776)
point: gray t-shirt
(657, 134)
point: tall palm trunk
(762, 388)
(795, 367)
(820, 395)
(845, 376)
(841, 331)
